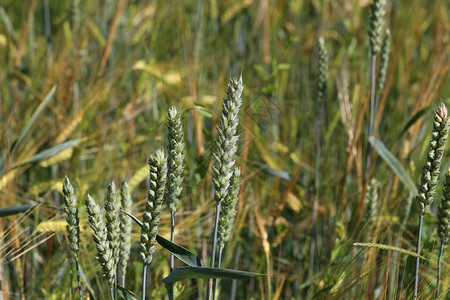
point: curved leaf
(414, 119)
(14, 210)
(50, 152)
(178, 251)
(126, 294)
(394, 164)
(34, 117)
(207, 272)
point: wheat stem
(419, 238)
(430, 174)
(73, 226)
(226, 142)
(105, 256)
(175, 167)
(152, 215)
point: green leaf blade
(126, 294)
(14, 210)
(34, 117)
(50, 152)
(178, 251)
(182, 273)
(394, 164)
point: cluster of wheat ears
(112, 233)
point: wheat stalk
(228, 213)
(175, 167)
(105, 254)
(321, 99)
(376, 22)
(125, 231)
(73, 226)
(150, 223)
(430, 174)
(226, 146)
(112, 225)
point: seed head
(125, 228)
(226, 140)
(430, 171)
(376, 22)
(323, 71)
(158, 175)
(112, 220)
(73, 221)
(381, 79)
(444, 211)
(105, 254)
(229, 209)
(175, 159)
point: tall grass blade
(34, 117)
(207, 272)
(394, 164)
(50, 152)
(14, 210)
(126, 294)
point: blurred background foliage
(118, 65)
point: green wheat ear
(376, 22)
(73, 225)
(226, 140)
(444, 211)
(323, 71)
(105, 255)
(226, 147)
(371, 201)
(158, 174)
(430, 171)
(443, 226)
(430, 176)
(125, 229)
(175, 159)
(229, 209)
(112, 220)
(381, 79)
(73, 221)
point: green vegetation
(309, 174)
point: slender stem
(312, 248)
(172, 264)
(416, 282)
(377, 104)
(372, 94)
(438, 278)
(216, 279)
(77, 266)
(122, 280)
(115, 286)
(213, 252)
(144, 277)
(236, 264)
(172, 229)
(371, 112)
